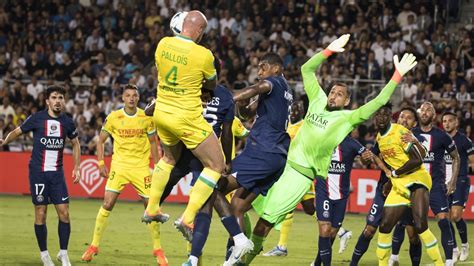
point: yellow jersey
(293, 129)
(395, 153)
(130, 134)
(182, 66)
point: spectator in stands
(438, 78)
(6, 109)
(34, 88)
(462, 95)
(94, 41)
(409, 89)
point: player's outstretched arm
(152, 138)
(11, 136)
(402, 67)
(226, 142)
(103, 136)
(456, 163)
(76, 156)
(150, 108)
(308, 69)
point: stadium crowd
(94, 47)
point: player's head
(55, 98)
(130, 96)
(194, 25)
(339, 96)
(408, 117)
(297, 111)
(270, 64)
(383, 117)
(450, 122)
(427, 113)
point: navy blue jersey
(219, 109)
(436, 142)
(268, 133)
(465, 148)
(339, 176)
(49, 135)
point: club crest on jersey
(53, 128)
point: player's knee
(421, 226)
(109, 205)
(63, 216)
(40, 217)
(414, 239)
(369, 232)
(456, 216)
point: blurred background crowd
(94, 47)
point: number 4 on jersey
(171, 76)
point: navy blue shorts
(460, 196)
(376, 209)
(48, 187)
(330, 210)
(439, 201)
(257, 171)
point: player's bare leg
(209, 152)
(419, 207)
(241, 203)
(160, 178)
(64, 230)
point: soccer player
(437, 142)
(410, 185)
(134, 137)
(325, 127)
(182, 66)
(332, 193)
(459, 198)
(50, 129)
(409, 119)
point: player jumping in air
(325, 127)
(50, 129)
(134, 136)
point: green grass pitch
(127, 241)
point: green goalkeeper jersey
(311, 150)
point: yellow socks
(100, 225)
(201, 191)
(285, 230)
(431, 245)
(160, 178)
(155, 234)
(384, 248)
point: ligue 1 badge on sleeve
(39, 198)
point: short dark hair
(55, 88)
(342, 84)
(388, 106)
(449, 113)
(412, 110)
(272, 59)
(130, 87)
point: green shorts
(283, 196)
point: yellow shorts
(310, 194)
(400, 193)
(140, 178)
(190, 128)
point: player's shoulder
(222, 92)
(141, 114)
(65, 117)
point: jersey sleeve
(229, 116)
(107, 127)
(364, 112)
(358, 147)
(405, 145)
(468, 146)
(29, 124)
(238, 129)
(71, 129)
(448, 143)
(376, 149)
(208, 68)
(310, 82)
(150, 130)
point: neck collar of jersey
(184, 38)
(388, 130)
(126, 114)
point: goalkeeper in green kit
(326, 125)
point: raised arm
(308, 69)
(364, 112)
(11, 136)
